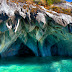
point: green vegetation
(61, 10)
(42, 2)
(48, 2)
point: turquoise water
(36, 64)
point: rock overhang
(32, 24)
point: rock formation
(41, 31)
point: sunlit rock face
(34, 31)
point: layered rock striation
(30, 28)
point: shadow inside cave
(24, 51)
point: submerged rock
(43, 32)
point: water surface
(36, 64)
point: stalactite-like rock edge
(44, 32)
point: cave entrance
(25, 51)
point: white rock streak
(17, 26)
(8, 26)
(6, 9)
(68, 4)
(68, 18)
(41, 18)
(59, 17)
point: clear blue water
(36, 64)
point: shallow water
(36, 64)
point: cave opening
(25, 51)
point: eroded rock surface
(44, 32)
